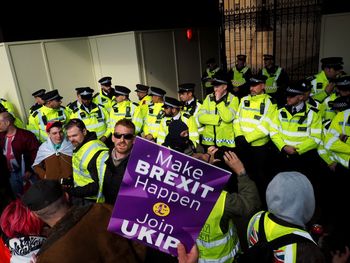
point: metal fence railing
(288, 29)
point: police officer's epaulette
(314, 109)
(186, 115)
(136, 104)
(35, 113)
(2, 99)
(312, 102)
(72, 105)
(211, 97)
(69, 105)
(94, 105)
(35, 107)
(95, 95)
(283, 114)
(62, 107)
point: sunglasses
(127, 136)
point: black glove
(241, 141)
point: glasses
(127, 136)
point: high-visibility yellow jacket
(105, 101)
(319, 83)
(328, 113)
(153, 119)
(271, 82)
(81, 160)
(217, 119)
(272, 231)
(38, 120)
(192, 108)
(141, 112)
(253, 119)
(120, 110)
(11, 109)
(302, 130)
(340, 149)
(209, 74)
(213, 244)
(95, 120)
(238, 76)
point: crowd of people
(286, 143)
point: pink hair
(17, 220)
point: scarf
(48, 148)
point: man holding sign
(177, 194)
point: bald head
(6, 121)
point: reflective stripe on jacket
(213, 244)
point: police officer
(307, 95)
(38, 100)
(239, 76)
(337, 137)
(95, 117)
(87, 150)
(154, 114)
(337, 143)
(277, 79)
(296, 131)
(104, 97)
(210, 71)
(342, 89)
(251, 128)
(217, 114)
(50, 111)
(172, 112)
(122, 107)
(142, 94)
(323, 83)
(141, 110)
(190, 104)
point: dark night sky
(64, 20)
(57, 19)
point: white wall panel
(159, 60)
(70, 66)
(30, 71)
(116, 56)
(8, 88)
(335, 38)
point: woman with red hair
(23, 231)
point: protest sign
(165, 197)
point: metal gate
(288, 29)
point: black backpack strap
(261, 233)
(287, 240)
(280, 241)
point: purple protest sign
(165, 197)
